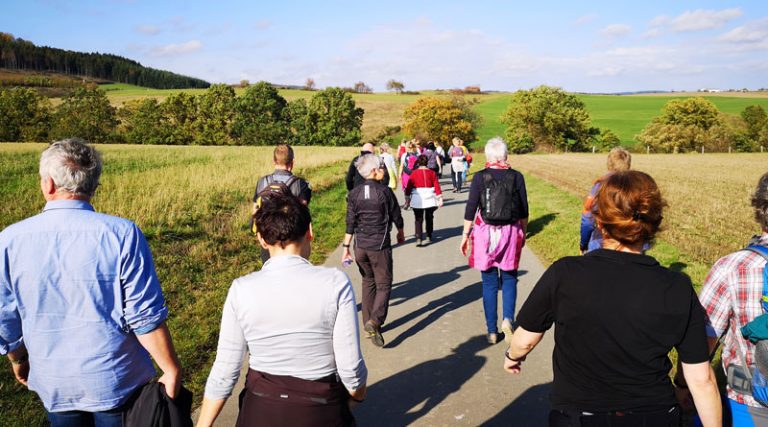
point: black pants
(668, 417)
(419, 215)
(376, 269)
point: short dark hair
(422, 160)
(283, 154)
(282, 219)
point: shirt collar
(68, 204)
(624, 256)
(282, 261)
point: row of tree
(20, 54)
(217, 117)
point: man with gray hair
(372, 208)
(81, 309)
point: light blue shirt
(76, 287)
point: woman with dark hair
(617, 314)
(424, 195)
(298, 324)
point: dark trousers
(278, 400)
(419, 215)
(668, 417)
(376, 268)
(456, 179)
(110, 418)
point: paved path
(437, 368)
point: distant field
(193, 204)
(708, 195)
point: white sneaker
(507, 328)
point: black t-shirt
(616, 317)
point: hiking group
(82, 313)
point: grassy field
(708, 196)
(193, 204)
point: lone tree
(361, 87)
(335, 118)
(441, 119)
(394, 85)
(686, 125)
(309, 84)
(546, 118)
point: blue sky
(595, 46)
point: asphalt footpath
(436, 367)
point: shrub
(142, 122)
(260, 116)
(86, 113)
(335, 118)
(441, 119)
(215, 116)
(687, 125)
(24, 115)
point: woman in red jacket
(423, 194)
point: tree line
(20, 54)
(216, 117)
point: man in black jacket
(354, 178)
(372, 208)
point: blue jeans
(491, 280)
(110, 418)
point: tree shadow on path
(530, 409)
(407, 396)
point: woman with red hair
(617, 314)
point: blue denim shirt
(76, 287)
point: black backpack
(499, 199)
(273, 187)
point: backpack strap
(290, 181)
(763, 252)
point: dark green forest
(20, 54)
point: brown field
(708, 195)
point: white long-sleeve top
(295, 319)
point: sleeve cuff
(150, 323)
(7, 347)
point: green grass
(192, 204)
(626, 115)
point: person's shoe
(374, 334)
(420, 243)
(493, 338)
(429, 238)
(508, 328)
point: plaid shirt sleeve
(716, 299)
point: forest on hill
(20, 54)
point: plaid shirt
(731, 295)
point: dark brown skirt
(276, 400)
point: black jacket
(151, 407)
(354, 178)
(372, 208)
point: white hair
(73, 165)
(366, 164)
(496, 150)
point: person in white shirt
(298, 323)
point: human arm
(465, 237)
(305, 191)
(226, 368)
(703, 386)
(396, 215)
(351, 225)
(11, 340)
(523, 342)
(438, 190)
(346, 342)
(159, 345)
(19, 359)
(350, 178)
(587, 219)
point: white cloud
(615, 31)
(262, 24)
(752, 32)
(700, 19)
(177, 49)
(659, 21)
(586, 19)
(651, 33)
(149, 30)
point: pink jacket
(496, 245)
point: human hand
(172, 382)
(400, 236)
(464, 244)
(21, 372)
(512, 367)
(439, 201)
(346, 257)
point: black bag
(273, 187)
(151, 407)
(499, 199)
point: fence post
(729, 149)
(593, 149)
(647, 149)
(702, 149)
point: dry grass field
(708, 195)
